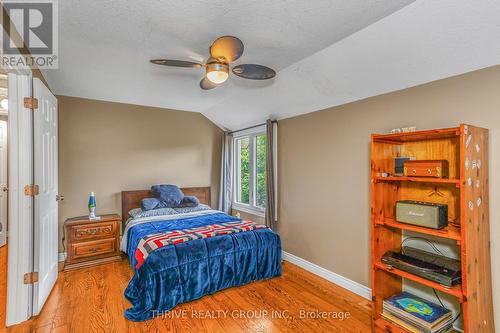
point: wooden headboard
(132, 199)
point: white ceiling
(327, 52)
(423, 42)
(105, 45)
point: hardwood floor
(91, 300)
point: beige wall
(109, 147)
(323, 160)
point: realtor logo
(29, 36)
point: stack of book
(416, 314)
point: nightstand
(92, 243)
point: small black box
(399, 165)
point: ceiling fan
(223, 52)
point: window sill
(248, 209)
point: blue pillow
(189, 201)
(169, 195)
(151, 203)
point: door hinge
(30, 103)
(30, 278)
(31, 190)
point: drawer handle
(87, 232)
(94, 249)
(414, 171)
(429, 171)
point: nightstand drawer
(93, 231)
(93, 248)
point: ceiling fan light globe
(217, 76)
(217, 72)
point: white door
(3, 182)
(46, 207)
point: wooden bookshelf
(466, 194)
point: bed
(181, 272)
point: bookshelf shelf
(454, 291)
(450, 232)
(435, 134)
(466, 194)
(388, 326)
(418, 180)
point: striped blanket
(152, 242)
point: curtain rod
(247, 128)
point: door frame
(4, 174)
(20, 216)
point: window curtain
(271, 213)
(226, 175)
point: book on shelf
(414, 329)
(417, 314)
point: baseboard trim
(62, 256)
(340, 280)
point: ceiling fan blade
(227, 48)
(176, 63)
(206, 84)
(254, 72)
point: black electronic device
(443, 270)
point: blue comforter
(183, 272)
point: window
(250, 171)
(243, 170)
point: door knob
(5, 189)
